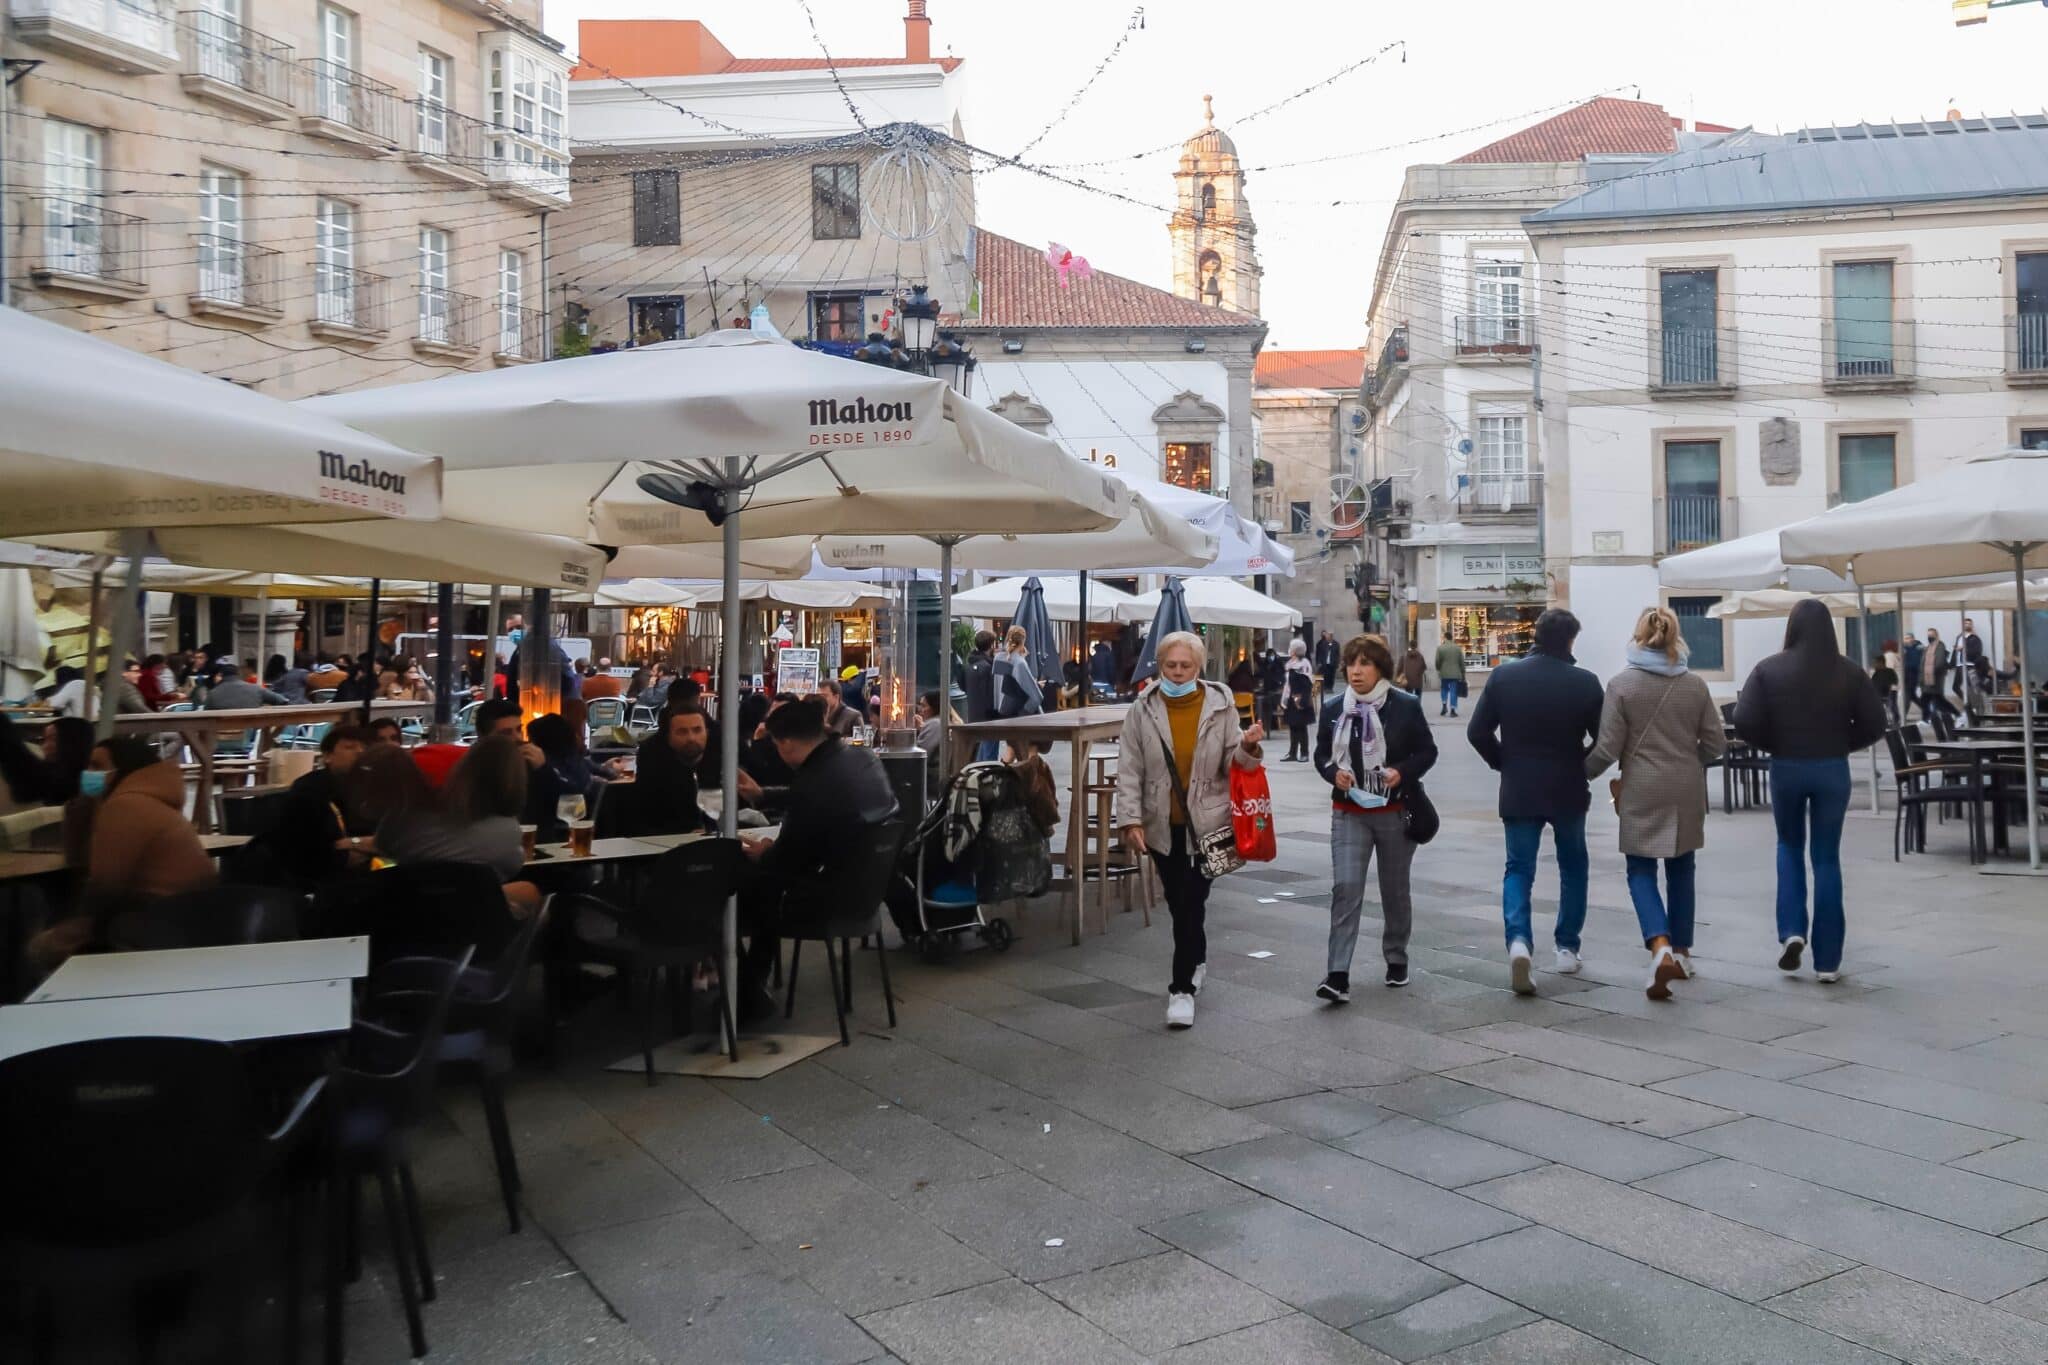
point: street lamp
(919, 346)
(920, 314)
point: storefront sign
(796, 670)
(1488, 566)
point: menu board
(796, 670)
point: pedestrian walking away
(1661, 725)
(1929, 672)
(1298, 708)
(1450, 677)
(1373, 746)
(1414, 673)
(1326, 662)
(1177, 746)
(1535, 723)
(1809, 709)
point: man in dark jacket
(838, 793)
(1326, 662)
(305, 839)
(663, 796)
(1536, 721)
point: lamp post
(919, 346)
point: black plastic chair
(847, 908)
(129, 1159)
(419, 910)
(212, 918)
(478, 1036)
(380, 1093)
(678, 923)
(1916, 788)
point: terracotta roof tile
(744, 64)
(1599, 126)
(1018, 289)
(1309, 369)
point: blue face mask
(92, 782)
(1178, 689)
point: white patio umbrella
(1218, 602)
(726, 436)
(1749, 563)
(795, 593)
(23, 644)
(1973, 596)
(1982, 516)
(641, 592)
(1242, 547)
(997, 601)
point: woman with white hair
(1297, 703)
(1178, 744)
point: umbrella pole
(491, 642)
(729, 731)
(1863, 610)
(2030, 771)
(92, 642)
(444, 662)
(126, 619)
(946, 681)
(1081, 632)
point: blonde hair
(1657, 628)
(1183, 639)
(1014, 638)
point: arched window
(1208, 201)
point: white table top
(601, 851)
(98, 976)
(293, 1009)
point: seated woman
(476, 820)
(140, 846)
(566, 769)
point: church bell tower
(1215, 256)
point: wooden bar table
(1078, 728)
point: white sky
(1773, 64)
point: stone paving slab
(1327, 1272)
(1599, 1148)
(1457, 1317)
(1296, 1339)
(994, 1324)
(1442, 1156)
(2024, 1162)
(1737, 1260)
(1909, 1244)
(1914, 1322)
(1804, 1107)
(1629, 1065)
(1658, 1316)
(1594, 1097)
(1540, 1343)
(2023, 1080)
(1325, 1116)
(1409, 1215)
(1679, 1038)
(1934, 1099)
(1009, 1219)
(1944, 1192)
(1160, 1302)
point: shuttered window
(657, 212)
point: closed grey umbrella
(1171, 616)
(1039, 639)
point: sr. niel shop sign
(1487, 566)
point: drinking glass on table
(580, 837)
(570, 808)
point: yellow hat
(848, 673)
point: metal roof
(1817, 168)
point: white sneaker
(1788, 959)
(1568, 963)
(1827, 978)
(1664, 970)
(1201, 971)
(1521, 971)
(1685, 963)
(1180, 1010)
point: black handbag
(1419, 819)
(1215, 853)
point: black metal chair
(1919, 785)
(848, 908)
(677, 924)
(380, 1092)
(214, 917)
(419, 909)
(1745, 771)
(127, 1160)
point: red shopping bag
(1251, 814)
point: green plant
(572, 341)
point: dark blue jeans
(1447, 692)
(1809, 798)
(1658, 916)
(1525, 841)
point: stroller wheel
(997, 935)
(932, 947)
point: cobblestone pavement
(1030, 1168)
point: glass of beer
(529, 840)
(579, 837)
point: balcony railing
(218, 50)
(1393, 355)
(449, 141)
(1691, 358)
(448, 319)
(1478, 334)
(2030, 351)
(522, 333)
(84, 242)
(1865, 365)
(236, 274)
(1690, 521)
(520, 170)
(351, 299)
(126, 35)
(340, 98)
(1497, 492)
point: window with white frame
(431, 108)
(511, 302)
(1863, 319)
(222, 262)
(335, 87)
(436, 303)
(1497, 318)
(334, 261)
(529, 99)
(74, 159)
(1499, 472)
(219, 46)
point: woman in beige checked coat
(1661, 725)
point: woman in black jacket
(1372, 746)
(1809, 708)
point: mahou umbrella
(1171, 616)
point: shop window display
(1490, 635)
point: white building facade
(1731, 342)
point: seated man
(309, 839)
(663, 796)
(839, 791)
(437, 761)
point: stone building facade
(1311, 424)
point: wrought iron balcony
(236, 278)
(349, 303)
(2030, 348)
(1692, 361)
(1494, 334)
(135, 36)
(447, 320)
(1866, 366)
(1392, 365)
(524, 172)
(340, 103)
(448, 143)
(522, 334)
(222, 60)
(89, 248)
(1497, 493)
(1690, 521)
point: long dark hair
(490, 780)
(1810, 631)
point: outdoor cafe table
(1978, 752)
(98, 976)
(233, 1015)
(623, 850)
(1079, 728)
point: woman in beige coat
(1660, 723)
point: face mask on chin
(1178, 689)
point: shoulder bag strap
(1655, 712)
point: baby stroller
(977, 845)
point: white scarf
(1361, 711)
